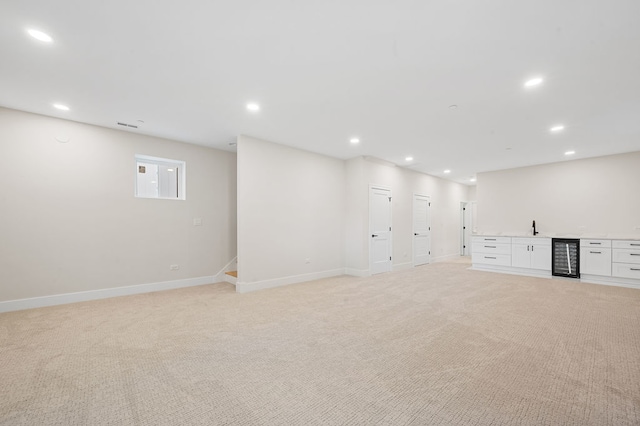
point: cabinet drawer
(595, 261)
(499, 240)
(537, 241)
(625, 270)
(490, 247)
(541, 241)
(491, 259)
(627, 244)
(626, 256)
(595, 243)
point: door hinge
(389, 199)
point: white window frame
(179, 164)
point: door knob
(374, 235)
(415, 233)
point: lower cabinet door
(541, 257)
(521, 256)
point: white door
(421, 230)
(380, 230)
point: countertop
(586, 236)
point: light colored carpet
(436, 345)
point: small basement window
(160, 178)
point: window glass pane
(160, 178)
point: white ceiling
(325, 71)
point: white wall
(70, 222)
(594, 196)
(471, 193)
(290, 212)
(445, 212)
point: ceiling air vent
(127, 125)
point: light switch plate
(197, 221)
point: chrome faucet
(534, 229)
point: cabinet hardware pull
(489, 257)
(490, 246)
(527, 248)
(489, 239)
(634, 244)
(635, 269)
(595, 252)
(634, 254)
(596, 243)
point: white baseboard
(613, 281)
(402, 266)
(83, 296)
(294, 279)
(445, 257)
(357, 272)
(512, 270)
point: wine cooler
(565, 257)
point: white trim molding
(445, 257)
(293, 279)
(613, 281)
(357, 272)
(402, 266)
(105, 293)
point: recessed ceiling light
(472, 179)
(253, 107)
(569, 153)
(533, 82)
(557, 128)
(39, 35)
(61, 107)
(447, 171)
(354, 140)
(169, 170)
(408, 159)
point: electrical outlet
(174, 267)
